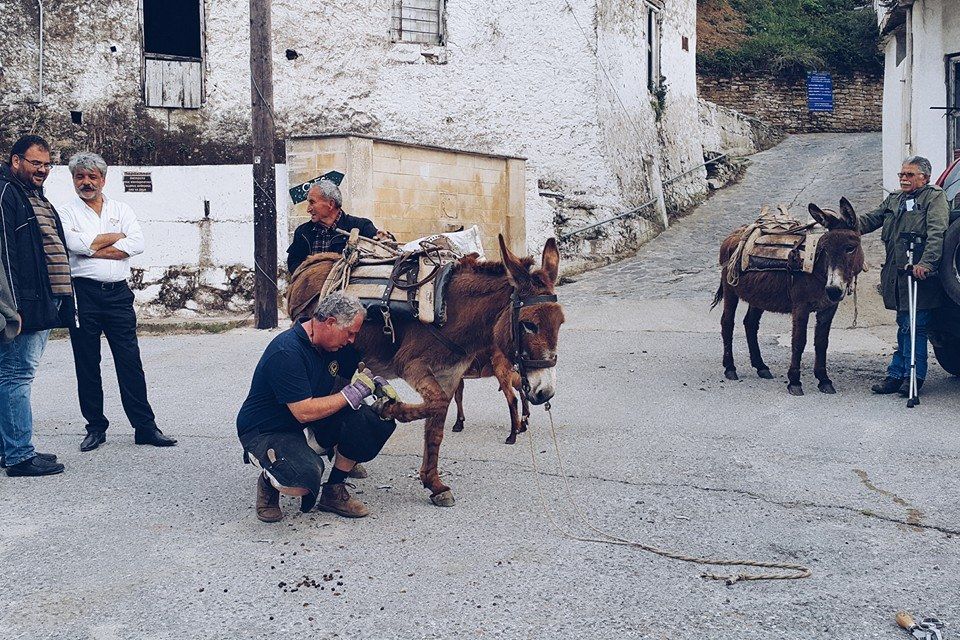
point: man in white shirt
(101, 235)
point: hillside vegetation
(787, 37)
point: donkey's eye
(529, 327)
(852, 248)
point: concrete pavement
(135, 542)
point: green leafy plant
(793, 37)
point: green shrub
(793, 37)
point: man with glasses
(918, 208)
(34, 257)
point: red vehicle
(944, 332)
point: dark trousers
(107, 308)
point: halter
(521, 362)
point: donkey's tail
(717, 297)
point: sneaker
(35, 466)
(268, 501)
(358, 472)
(905, 389)
(887, 385)
(336, 499)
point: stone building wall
(858, 102)
(560, 84)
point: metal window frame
(952, 78)
(654, 38)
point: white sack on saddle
(462, 242)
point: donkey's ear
(515, 269)
(848, 214)
(819, 215)
(550, 262)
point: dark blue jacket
(302, 245)
(21, 250)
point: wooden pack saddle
(776, 241)
(387, 281)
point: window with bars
(417, 21)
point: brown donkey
(839, 258)
(482, 298)
(496, 364)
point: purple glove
(361, 387)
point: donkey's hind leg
(751, 325)
(821, 336)
(458, 398)
(727, 321)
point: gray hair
(87, 160)
(920, 163)
(340, 307)
(328, 191)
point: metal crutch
(913, 398)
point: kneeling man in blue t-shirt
(300, 408)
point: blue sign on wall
(819, 92)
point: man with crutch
(920, 210)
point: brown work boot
(359, 472)
(268, 501)
(336, 499)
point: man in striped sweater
(34, 257)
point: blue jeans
(18, 365)
(900, 364)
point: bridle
(520, 361)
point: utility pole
(264, 176)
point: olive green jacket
(929, 218)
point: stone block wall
(858, 102)
(415, 191)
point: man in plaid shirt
(324, 204)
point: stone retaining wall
(727, 131)
(858, 102)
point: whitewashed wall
(936, 33)
(181, 242)
(560, 83)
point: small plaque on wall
(137, 182)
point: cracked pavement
(135, 542)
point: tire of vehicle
(950, 262)
(948, 355)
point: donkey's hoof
(795, 389)
(523, 425)
(826, 387)
(765, 374)
(443, 499)
(458, 426)
(511, 439)
(731, 374)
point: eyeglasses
(908, 175)
(36, 164)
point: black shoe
(35, 466)
(905, 389)
(93, 440)
(887, 385)
(49, 457)
(153, 436)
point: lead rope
(799, 571)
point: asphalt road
(141, 543)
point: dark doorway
(172, 28)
